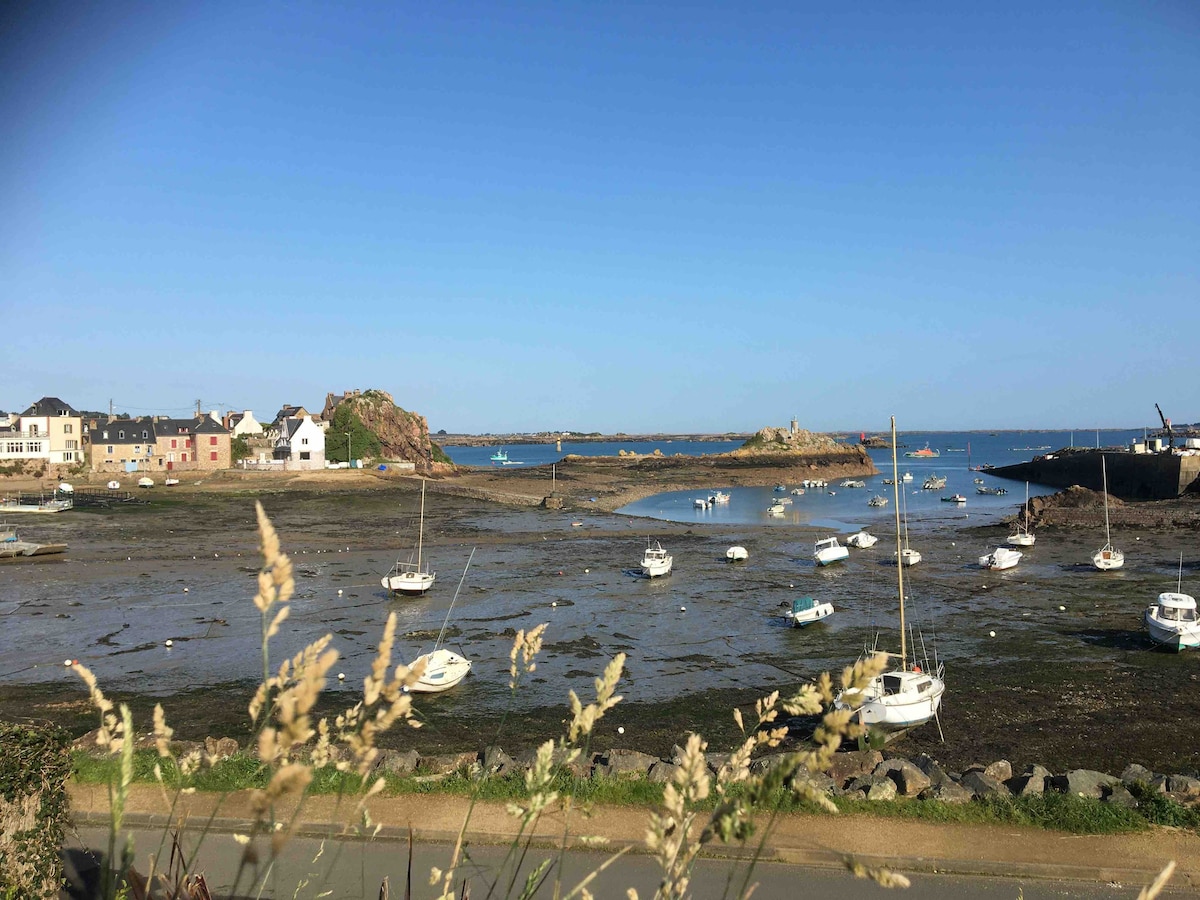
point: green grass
(1050, 811)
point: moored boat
(737, 554)
(828, 551)
(806, 610)
(412, 577)
(1107, 557)
(862, 540)
(924, 453)
(1023, 537)
(656, 561)
(1000, 558)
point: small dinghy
(862, 540)
(736, 554)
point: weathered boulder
(496, 762)
(1118, 795)
(1183, 785)
(399, 762)
(220, 748)
(909, 780)
(932, 768)
(768, 763)
(715, 761)
(881, 789)
(447, 763)
(1001, 770)
(947, 791)
(1084, 783)
(982, 785)
(618, 763)
(1134, 773)
(852, 764)
(817, 780)
(1031, 782)
(661, 772)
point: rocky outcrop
(792, 440)
(403, 435)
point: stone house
(123, 445)
(332, 401)
(193, 444)
(49, 430)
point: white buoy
(586, 571)
(1062, 609)
(170, 643)
(554, 603)
(952, 544)
(991, 634)
(620, 729)
(683, 609)
(67, 663)
(185, 590)
(339, 592)
(341, 676)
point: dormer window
(120, 435)
(145, 435)
(106, 435)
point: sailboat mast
(1104, 478)
(421, 526)
(899, 556)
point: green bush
(34, 766)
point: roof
(50, 406)
(1172, 600)
(125, 431)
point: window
(212, 441)
(183, 457)
(68, 429)
(72, 445)
(145, 434)
(106, 435)
(110, 449)
(174, 443)
(137, 449)
(304, 441)
(213, 456)
(120, 435)
(187, 442)
(304, 454)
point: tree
(239, 448)
(363, 443)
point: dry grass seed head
(526, 646)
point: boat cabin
(906, 683)
(1173, 607)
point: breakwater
(1131, 476)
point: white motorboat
(776, 509)
(171, 482)
(718, 497)
(737, 554)
(853, 483)
(656, 561)
(1000, 558)
(908, 556)
(412, 577)
(1023, 537)
(934, 483)
(806, 610)
(827, 551)
(1172, 621)
(701, 503)
(66, 488)
(798, 492)
(877, 501)
(862, 540)
(786, 501)
(145, 482)
(955, 498)
(907, 695)
(443, 668)
(906, 477)
(780, 488)
(1107, 557)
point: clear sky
(606, 216)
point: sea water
(845, 509)
(544, 454)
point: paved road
(356, 870)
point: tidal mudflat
(1069, 679)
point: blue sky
(612, 217)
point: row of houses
(53, 432)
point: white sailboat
(443, 668)
(1107, 557)
(1172, 621)
(1023, 537)
(905, 696)
(411, 577)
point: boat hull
(801, 618)
(657, 568)
(831, 555)
(998, 560)
(1171, 638)
(409, 582)
(1107, 560)
(443, 670)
